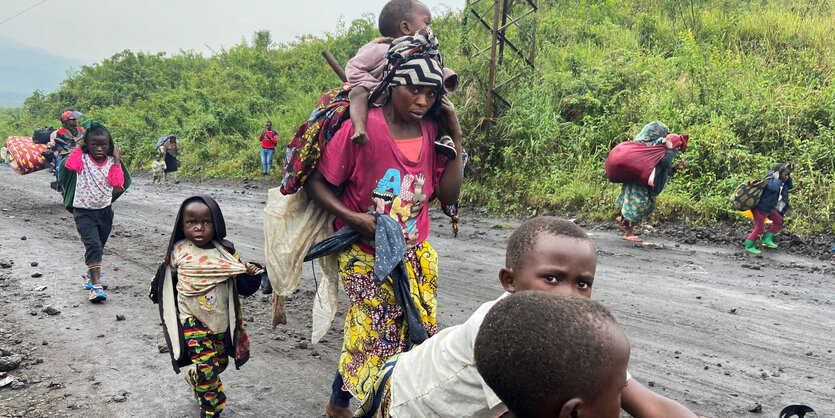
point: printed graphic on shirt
(400, 196)
(208, 301)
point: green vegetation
(750, 81)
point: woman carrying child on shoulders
(396, 174)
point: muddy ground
(712, 327)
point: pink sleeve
(115, 176)
(74, 162)
(366, 68)
(340, 156)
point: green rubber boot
(751, 247)
(767, 240)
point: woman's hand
(681, 165)
(365, 224)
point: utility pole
(506, 15)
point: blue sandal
(88, 284)
(97, 294)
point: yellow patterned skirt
(375, 327)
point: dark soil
(712, 327)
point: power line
(23, 11)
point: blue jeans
(267, 159)
(340, 397)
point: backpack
(306, 147)
(748, 194)
(41, 136)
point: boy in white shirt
(439, 377)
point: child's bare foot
(359, 137)
(334, 411)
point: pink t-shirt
(377, 176)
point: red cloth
(679, 141)
(268, 139)
(27, 156)
(633, 162)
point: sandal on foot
(88, 284)
(97, 294)
(632, 238)
(446, 148)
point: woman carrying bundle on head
(637, 198)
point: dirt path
(706, 331)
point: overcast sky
(91, 30)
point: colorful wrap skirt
(635, 202)
(378, 402)
(375, 327)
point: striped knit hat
(412, 61)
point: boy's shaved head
(538, 350)
(524, 238)
(394, 12)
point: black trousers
(94, 226)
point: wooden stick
(335, 65)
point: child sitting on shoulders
(365, 71)
(92, 177)
(548, 355)
(197, 287)
(157, 168)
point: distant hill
(24, 69)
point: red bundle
(26, 155)
(633, 162)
